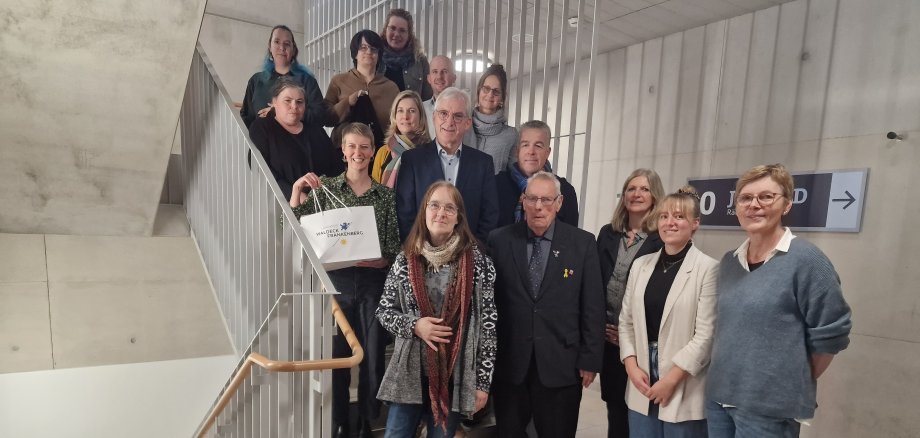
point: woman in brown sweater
(362, 94)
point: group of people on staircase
(493, 295)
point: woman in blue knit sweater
(781, 318)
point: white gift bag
(342, 237)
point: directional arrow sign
(822, 201)
(849, 199)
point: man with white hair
(446, 158)
(551, 326)
(440, 76)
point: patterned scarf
(454, 311)
(398, 144)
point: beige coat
(685, 336)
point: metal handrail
(274, 366)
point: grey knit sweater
(770, 322)
(492, 135)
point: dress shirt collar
(548, 235)
(782, 245)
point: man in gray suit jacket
(551, 326)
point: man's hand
(612, 334)
(587, 377)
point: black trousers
(554, 411)
(360, 290)
(613, 390)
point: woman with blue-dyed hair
(281, 61)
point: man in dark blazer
(533, 151)
(446, 158)
(551, 316)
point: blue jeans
(649, 426)
(403, 418)
(737, 423)
(643, 426)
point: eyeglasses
(444, 115)
(399, 30)
(497, 92)
(449, 209)
(368, 49)
(764, 199)
(532, 200)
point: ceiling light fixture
(471, 62)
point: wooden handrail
(274, 366)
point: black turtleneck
(659, 284)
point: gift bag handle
(328, 192)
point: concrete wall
(815, 85)
(92, 93)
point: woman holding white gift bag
(360, 286)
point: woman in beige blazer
(666, 327)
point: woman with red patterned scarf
(438, 302)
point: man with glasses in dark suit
(551, 316)
(446, 158)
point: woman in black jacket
(629, 235)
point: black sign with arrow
(822, 201)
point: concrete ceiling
(620, 23)
(92, 91)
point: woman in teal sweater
(781, 318)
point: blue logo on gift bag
(345, 225)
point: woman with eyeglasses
(491, 133)
(359, 286)
(666, 326)
(782, 318)
(439, 304)
(404, 60)
(632, 233)
(408, 128)
(362, 94)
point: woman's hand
(612, 334)
(264, 111)
(375, 263)
(297, 195)
(663, 389)
(481, 398)
(638, 377)
(428, 330)
(353, 97)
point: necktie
(533, 266)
